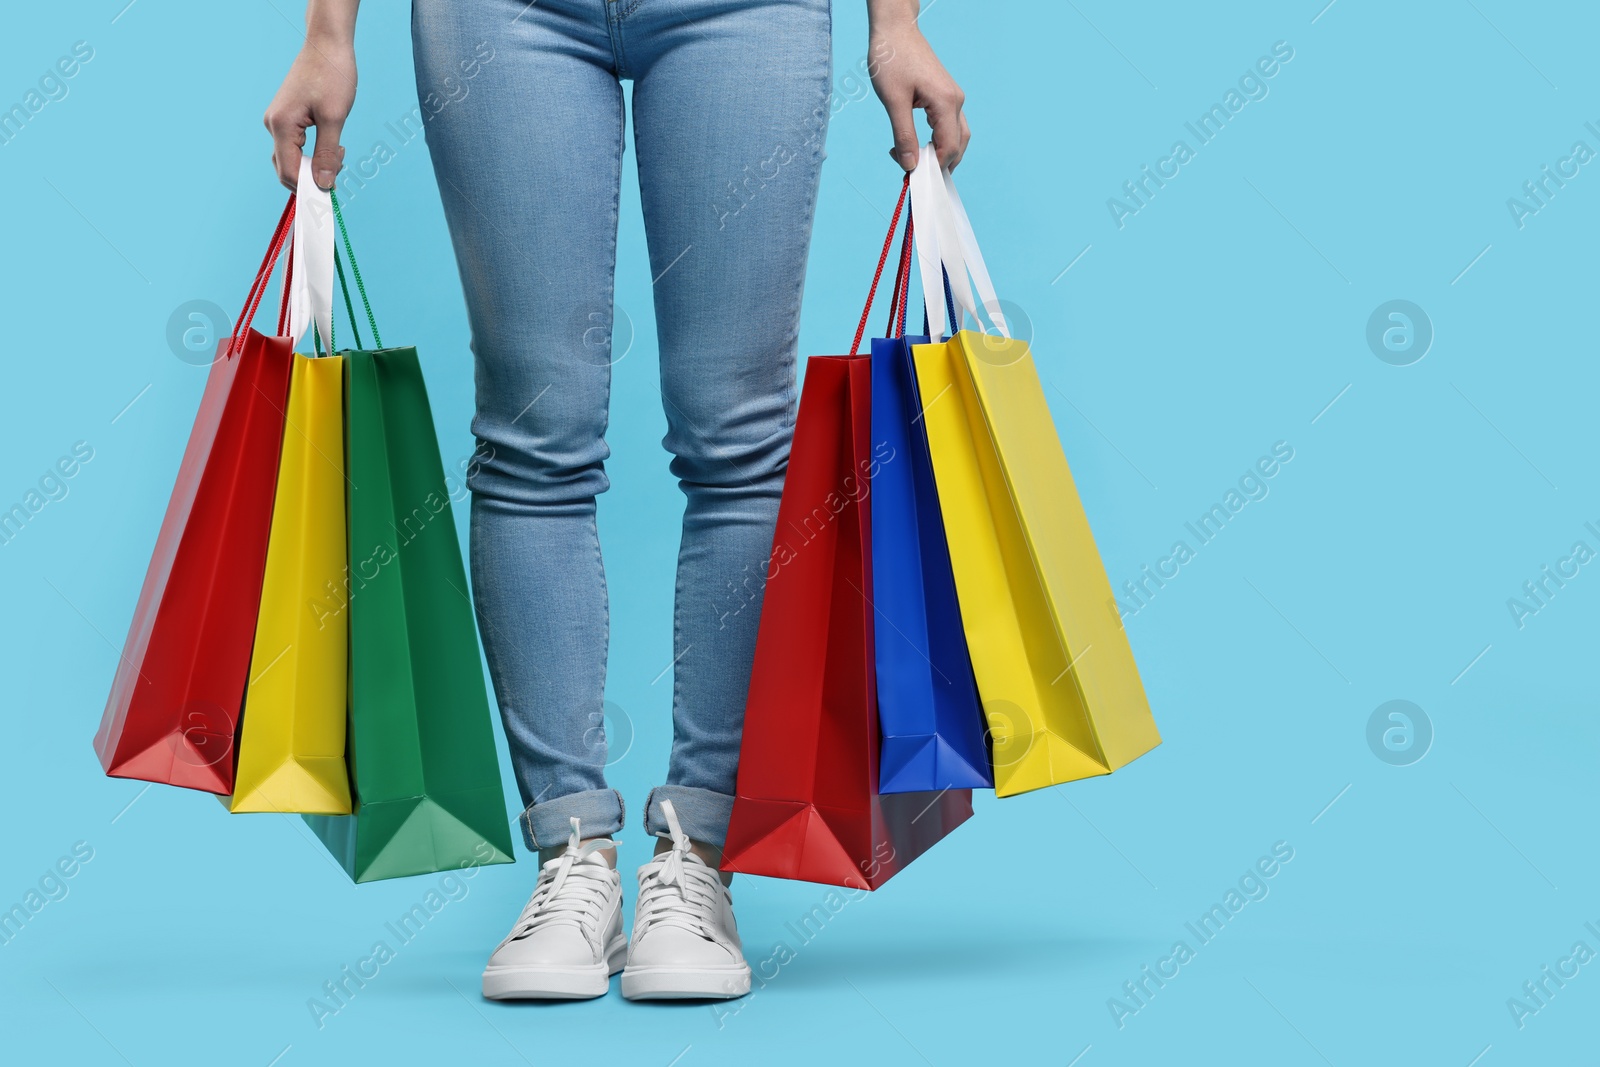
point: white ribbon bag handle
(926, 194)
(945, 238)
(967, 241)
(951, 253)
(311, 259)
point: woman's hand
(319, 91)
(907, 75)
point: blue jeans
(524, 120)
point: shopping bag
(1060, 688)
(292, 726)
(292, 732)
(928, 709)
(174, 702)
(424, 773)
(806, 804)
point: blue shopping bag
(929, 713)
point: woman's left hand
(907, 75)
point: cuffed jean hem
(702, 813)
(548, 823)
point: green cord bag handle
(344, 287)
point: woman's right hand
(319, 91)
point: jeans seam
(817, 157)
(611, 307)
(614, 29)
(677, 636)
(490, 642)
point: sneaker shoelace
(569, 892)
(677, 888)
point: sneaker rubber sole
(514, 982)
(686, 983)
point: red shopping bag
(175, 701)
(807, 805)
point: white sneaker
(569, 940)
(685, 943)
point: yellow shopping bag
(292, 742)
(1060, 689)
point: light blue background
(1224, 317)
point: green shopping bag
(423, 768)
